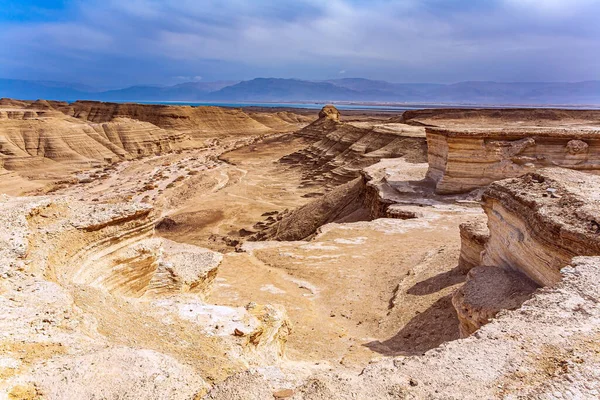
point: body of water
(310, 106)
(357, 107)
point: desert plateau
(179, 252)
(299, 200)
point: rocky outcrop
(336, 152)
(474, 235)
(197, 121)
(537, 224)
(69, 270)
(540, 221)
(461, 160)
(330, 112)
(489, 290)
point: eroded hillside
(198, 252)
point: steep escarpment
(344, 203)
(537, 224)
(469, 149)
(474, 235)
(337, 151)
(540, 221)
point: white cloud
(399, 40)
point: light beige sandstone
(487, 291)
(94, 306)
(197, 121)
(50, 138)
(463, 159)
(473, 236)
(540, 221)
(537, 224)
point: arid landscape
(177, 252)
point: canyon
(176, 252)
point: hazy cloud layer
(116, 42)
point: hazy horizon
(114, 44)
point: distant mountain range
(290, 90)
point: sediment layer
(540, 221)
(336, 152)
(464, 160)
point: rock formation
(197, 121)
(537, 224)
(469, 149)
(330, 112)
(473, 237)
(96, 304)
(540, 221)
(67, 268)
(338, 151)
(463, 160)
(35, 137)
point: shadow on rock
(437, 283)
(427, 330)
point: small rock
(283, 394)
(237, 332)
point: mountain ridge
(345, 89)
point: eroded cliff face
(474, 235)
(461, 161)
(336, 152)
(537, 224)
(540, 221)
(29, 138)
(197, 121)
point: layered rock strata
(462, 159)
(336, 152)
(195, 120)
(30, 137)
(537, 224)
(540, 221)
(70, 269)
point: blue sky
(114, 43)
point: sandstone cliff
(537, 224)
(540, 221)
(462, 160)
(30, 137)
